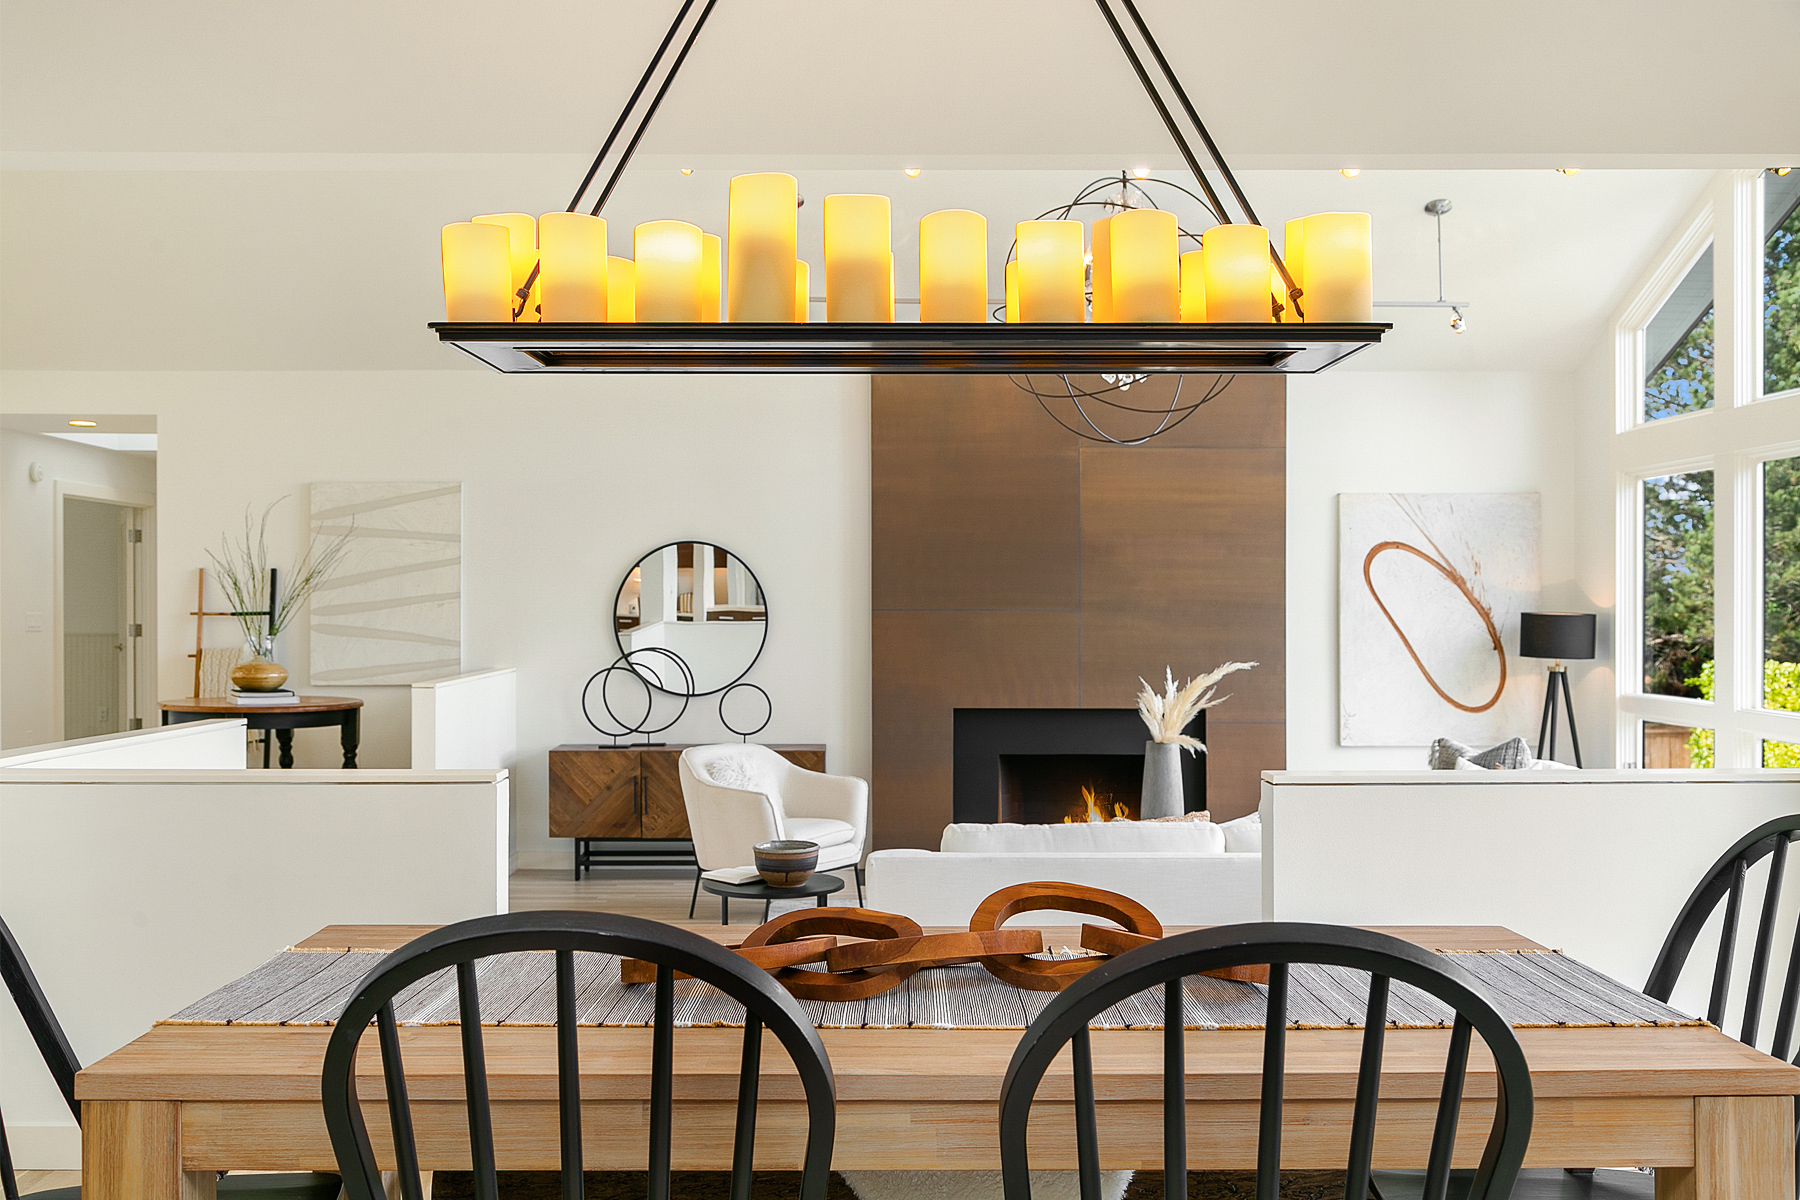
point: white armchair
(740, 794)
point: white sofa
(740, 794)
(1186, 872)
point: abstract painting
(1430, 588)
(392, 611)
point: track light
(1457, 323)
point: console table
(614, 799)
(312, 712)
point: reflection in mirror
(699, 602)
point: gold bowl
(258, 675)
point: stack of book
(278, 696)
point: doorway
(100, 584)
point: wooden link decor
(891, 948)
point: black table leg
(766, 904)
(267, 742)
(286, 738)
(725, 909)
(351, 736)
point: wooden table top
(274, 1063)
(225, 705)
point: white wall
(567, 481)
(28, 555)
(1365, 431)
(218, 877)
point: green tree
(1678, 572)
(1683, 380)
(1781, 305)
(1781, 560)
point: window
(1678, 747)
(1781, 282)
(1706, 641)
(1678, 584)
(1678, 347)
(1781, 584)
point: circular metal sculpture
(768, 710)
(647, 677)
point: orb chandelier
(1119, 299)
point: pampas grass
(1168, 714)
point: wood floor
(662, 896)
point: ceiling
(935, 83)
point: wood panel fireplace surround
(1014, 566)
(1040, 766)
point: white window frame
(1733, 438)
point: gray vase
(1162, 781)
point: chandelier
(1121, 299)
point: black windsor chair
(1279, 944)
(53, 1044)
(765, 1002)
(1727, 880)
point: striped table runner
(311, 987)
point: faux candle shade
(1145, 266)
(953, 266)
(1337, 278)
(669, 256)
(1012, 293)
(523, 231)
(1052, 274)
(572, 267)
(1237, 274)
(760, 257)
(1193, 287)
(477, 272)
(1293, 253)
(621, 290)
(859, 260)
(802, 292)
(709, 277)
(1100, 271)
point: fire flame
(1092, 813)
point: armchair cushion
(822, 830)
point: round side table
(820, 885)
(312, 712)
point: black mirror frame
(754, 659)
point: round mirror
(691, 618)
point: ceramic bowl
(786, 864)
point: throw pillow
(1244, 835)
(737, 773)
(1193, 816)
(1468, 764)
(1507, 756)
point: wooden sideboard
(613, 799)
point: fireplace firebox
(1044, 765)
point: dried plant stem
(1166, 715)
(243, 571)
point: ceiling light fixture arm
(1187, 107)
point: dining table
(1714, 1117)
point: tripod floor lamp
(1556, 636)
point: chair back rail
(45, 1030)
(460, 946)
(1167, 962)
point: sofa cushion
(1100, 837)
(819, 829)
(1244, 835)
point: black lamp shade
(1556, 635)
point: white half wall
(134, 893)
(1594, 863)
(1419, 431)
(216, 745)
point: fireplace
(1039, 766)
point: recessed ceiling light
(912, 172)
(1350, 172)
(1140, 172)
(85, 424)
(687, 170)
(1570, 171)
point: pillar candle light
(858, 259)
(621, 290)
(1337, 279)
(669, 256)
(572, 271)
(1145, 266)
(1100, 271)
(1051, 272)
(1012, 293)
(477, 272)
(1193, 288)
(710, 282)
(802, 292)
(1236, 260)
(1293, 255)
(524, 257)
(760, 258)
(953, 266)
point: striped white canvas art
(392, 612)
